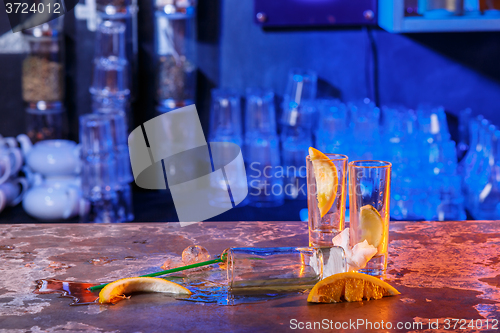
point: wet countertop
(444, 271)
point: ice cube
(360, 255)
(195, 253)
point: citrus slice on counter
(350, 287)
(116, 291)
(327, 180)
(371, 226)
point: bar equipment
(119, 132)
(483, 191)
(322, 229)
(111, 79)
(100, 201)
(225, 128)
(262, 150)
(471, 157)
(476, 177)
(43, 81)
(175, 36)
(281, 268)
(365, 129)
(463, 143)
(225, 117)
(432, 122)
(488, 200)
(369, 195)
(332, 134)
(298, 118)
(125, 12)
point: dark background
(457, 70)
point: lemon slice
(115, 291)
(327, 180)
(350, 287)
(371, 226)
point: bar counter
(444, 271)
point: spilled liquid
(78, 291)
(207, 292)
(206, 287)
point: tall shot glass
(323, 229)
(369, 201)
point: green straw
(173, 270)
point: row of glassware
(427, 180)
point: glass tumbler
(99, 173)
(225, 130)
(281, 268)
(369, 208)
(322, 229)
(262, 153)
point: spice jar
(175, 49)
(43, 68)
(44, 120)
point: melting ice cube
(195, 253)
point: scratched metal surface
(443, 270)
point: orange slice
(115, 291)
(350, 287)
(327, 180)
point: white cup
(11, 161)
(12, 192)
(52, 201)
(8, 142)
(5, 168)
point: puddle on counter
(78, 291)
(206, 287)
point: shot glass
(322, 229)
(281, 268)
(369, 208)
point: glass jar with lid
(175, 46)
(44, 120)
(124, 11)
(43, 68)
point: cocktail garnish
(327, 179)
(116, 291)
(350, 287)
